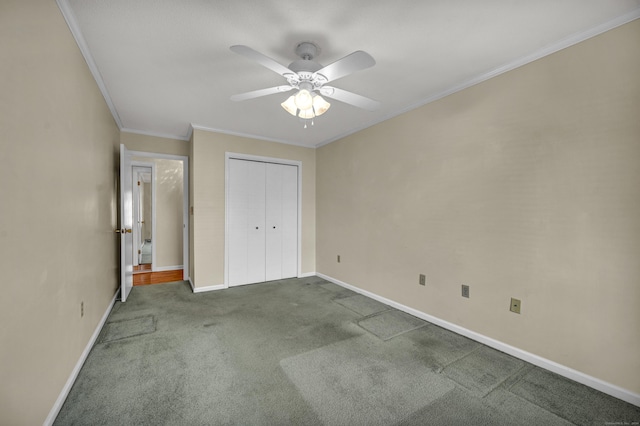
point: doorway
(159, 184)
(143, 191)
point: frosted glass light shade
(306, 113)
(303, 99)
(320, 106)
(290, 105)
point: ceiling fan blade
(263, 60)
(349, 98)
(261, 92)
(356, 61)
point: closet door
(246, 222)
(281, 221)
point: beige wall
(159, 145)
(208, 170)
(525, 186)
(169, 212)
(58, 208)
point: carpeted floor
(308, 352)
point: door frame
(185, 205)
(228, 156)
(136, 199)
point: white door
(246, 222)
(281, 221)
(126, 224)
(289, 221)
(262, 222)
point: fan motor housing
(304, 65)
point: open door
(126, 224)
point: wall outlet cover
(423, 280)
(465, 291)
(515, 305)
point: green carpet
(294, 352)
(389, 324)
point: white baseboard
(307, 274)
(74, 373)
(207, 288)
(585, 379)
(167, 268)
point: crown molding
(248, 135)
(524, 60)
(569, 41)
(72, 23)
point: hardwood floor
(146, 277)
(146, 267)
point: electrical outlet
(515, 305)
(423, 279)
(338, 258)
(465, 291)
(81, 309)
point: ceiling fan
(309, 79)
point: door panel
(126, 225)
(256, 231)
(289, 221)
(246, 222)
(273, 214)
(237, 222)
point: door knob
(117, 231)
(128, 231)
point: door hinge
(139, 252)
(138, 183)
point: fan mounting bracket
(307, 50)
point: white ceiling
(164, 65)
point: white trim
(571, 40)
(585, 379)
(55, 410)
(238, 156)
(72, 23)
(185, 205)
(248, 135)
(205, 289)
(167, 268)
(158, 155)
(511, 65)
(307, 274)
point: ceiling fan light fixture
(320, 106)
(290, 105)
(306, 113)
(303, 99)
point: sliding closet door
(281, 221)
(246, 222)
